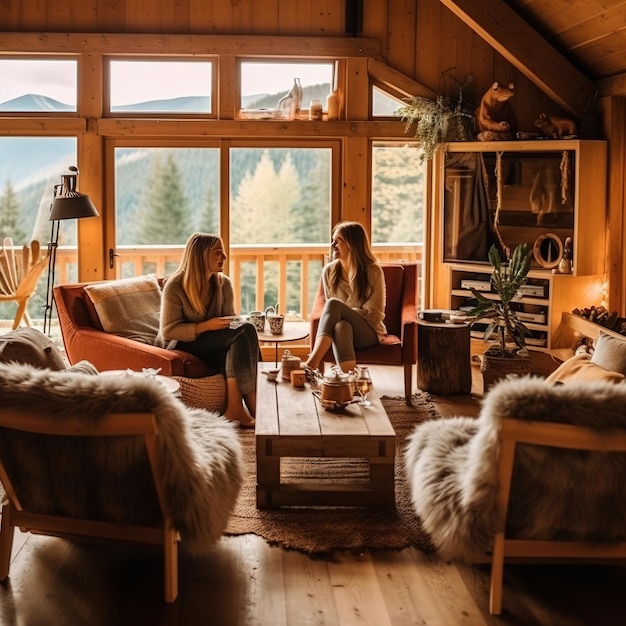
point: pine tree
(10, 216)
(163, 216)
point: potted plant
(506, 353)
(448, 118)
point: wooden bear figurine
(495, 118)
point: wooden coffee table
(291, 422)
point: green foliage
(164, 216)
(450, 117)
(506, 279)
(10, 216)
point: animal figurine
(555, 127)
(495, 118)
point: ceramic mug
(258, 319)
(276, 324)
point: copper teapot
(337, 386)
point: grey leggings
(234, 351)
(347, 329)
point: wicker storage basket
(495, 368)
(205, 393)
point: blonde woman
(196, 302)
(354, 289)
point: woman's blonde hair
(361, 257)
(194, 267)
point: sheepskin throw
(109, 478)
(451, 466)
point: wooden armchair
(19, 277)
(118, 458)
(400, 346)
(538, 475)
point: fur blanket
(451, 466)
(110, 478)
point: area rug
(323, 529)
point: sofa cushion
(610, 353)
(30, 346)
(581, 369)
(128, 307)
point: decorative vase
(291, 103)
(332, 106)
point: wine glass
(364, 385)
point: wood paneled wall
(420, 38)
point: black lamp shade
(74, 205)
(69, 203)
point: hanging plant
(448, 118)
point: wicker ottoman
(205, 393)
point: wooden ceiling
(570, 48)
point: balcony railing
(288, 272)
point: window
(384, 105)
(263, 84)
(38, 85)
(398, 194)
(280, 195)
(30, 167)
(162, 195)
(160, 87)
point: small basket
(207, 393)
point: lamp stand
(52, 259)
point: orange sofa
(84, 338)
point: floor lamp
(67, 203)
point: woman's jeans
(347, 329)
(235, 351)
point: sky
(57, 79)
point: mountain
(33, 103)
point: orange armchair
(84, 338)
(400, 345)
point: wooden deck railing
(282, 269)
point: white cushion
(128, 307)
(610, 353)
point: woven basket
(495, 368)
(204, 393)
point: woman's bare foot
(243, 418)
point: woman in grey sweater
(196, 303)
(354, 289)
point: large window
(30, 167)
(398, 194)
(279, 195)
(162, 195)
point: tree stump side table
(443, 358)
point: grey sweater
(179, 318)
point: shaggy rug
(322, 529)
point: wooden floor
(248, 582)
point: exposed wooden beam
(512, 37)
(612, 86)
(172, 127)
(398, 82)
(242, 45)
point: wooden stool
(443, 358)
